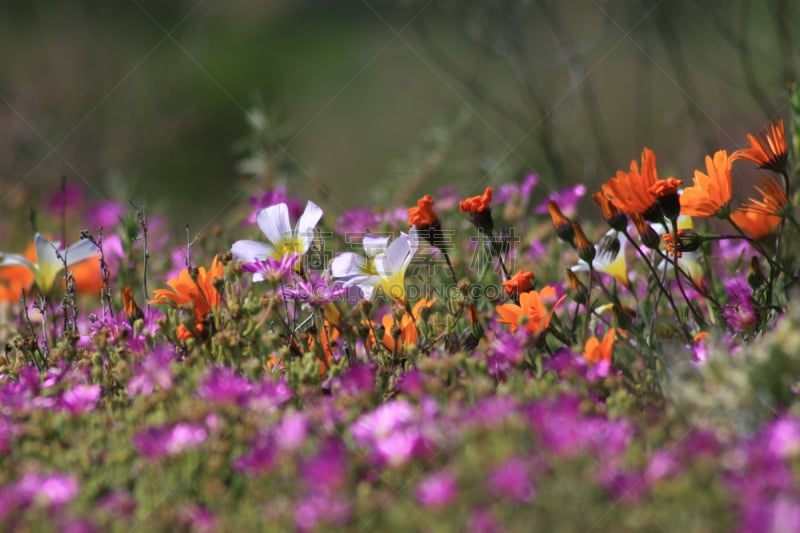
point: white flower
(276, 226)
(383, 267)
(609, 257)
(50, 260)
(360, 270)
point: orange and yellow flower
(773, 200)
(767, 150)
(755, 225)
(422, 215)
(595, 351)
(531, 309)
(710, 194)
(201, 294)
(630, 191)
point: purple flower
(357, 380)
(390, 432)
(319, 508)
(739, 312)
(222, 386)
(290, 433)
(437, 490)
(272, 270)
(156, 442)
(510, 480)
(482, 521)
(69, 196)
(276, 195)
(328, 469)
(80, 398)
(268, 395)
(153, 371)
(783, 438)
(663, 464)
(259, 460)
(318, 291)
(355, 223)
(53, 490)
(197, 518)
(105, 215)
(567, 200)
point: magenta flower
(268, 395)
(259, 460)
(567, 200)
(291, 432)
(389, 432)
(53, 490)
(327, 471)
(156, 442)
(437, 490)
(222, 386)
(355, 223)
(510, 480)
(318, 291)
(154, 371)
(317, 509)
(272, 270)
(80, 399)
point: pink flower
(80, 398)
(156, 442)
(437, 490)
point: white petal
(46, 252)
(248, 251)
(374, 244)
(15, 260)
(395, 256)
(309, 219)
(274, 223)
(347, 264)
(83, 249)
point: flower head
(360, 271)
(422, 215)
(595, 351)
(50, 260)
(773, 200)
(283, 240)
(767, 150)
(407, 326)
(389, 265)
(630, 191)
(199, 291)
(520, 282)
(477, 204)
(710, 194)
(531, 309)
(756, 225)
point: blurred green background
(376, 100)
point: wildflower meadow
(621, 357)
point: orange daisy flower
(773, 199)
(422, 215)
(531, 308)
(710, 193)
(477, 204)
(754, 224)
(201, 294)
(767, 150)
(520, 282)
(630, 191)
(408, 327)
(665, 187)
(595, 351)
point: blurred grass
(155, 120)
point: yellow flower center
(287, 247)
